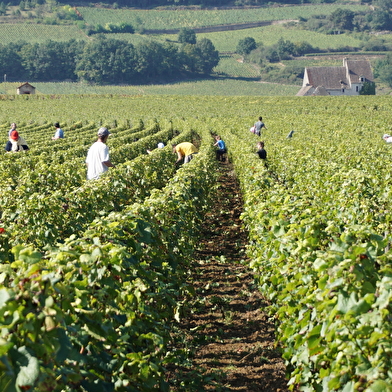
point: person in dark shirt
(260, 150)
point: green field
(223, 41)
(269, 35)
(30, 32)
(234, 66)
(175, 19)
(327, 62)
(208, 87)
(73, 108)
(227, 41)
(95, 275)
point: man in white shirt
(98, 160)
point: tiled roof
(26, 84)
(358, 68)
(322, 80)
(330, 77)
(340, 77)
(304, 90)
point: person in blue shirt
(221, 148)
(59, 132)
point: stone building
(345, 80)
(25, 88)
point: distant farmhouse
(25, 88)
(345, 80)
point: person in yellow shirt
(184, 151)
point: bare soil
(231, 334)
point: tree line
(344, 20)
(106, 60)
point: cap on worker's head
(103, 131)
(386, 136)
(57, 125)
(14, 135)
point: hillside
(224, 27)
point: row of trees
(110, 28)
(342, 20)
(104, 60)
(282, 50)
(383, 70)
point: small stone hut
(25, 88)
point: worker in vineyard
(261, 152)
(184, 151)
(98, 160)
(8, 146)
(59, 132)
(387, 138)
(221, 150)
(259, 125)
(159, 145)
(13, 128)
(16, 143)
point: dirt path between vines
(232, 337)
